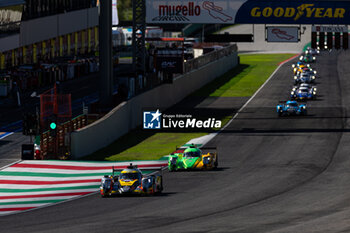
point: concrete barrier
(128, 115)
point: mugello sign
(248, 11)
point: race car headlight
(206, 160)
(301, 58)
(318, 51)
(308, 65)
(295, 77)
(314, 92)
(314, 58)
(313, 77)
(299, 92)
(315, 89)
(292, 93)
(326, 47)
(303, 107)
(293, 65)
(278, 107)
(315, 72)
(173, 160)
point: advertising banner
(247, 11)
(188, 11)
(170, 64)
(115, 19)
(282, 34)
(329, 28)
(294, 12)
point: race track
(286, 174)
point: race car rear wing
(180, 150)
(153, 167)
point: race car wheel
(172, 168)
(104, 195)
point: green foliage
(142, 144)
(125, 10)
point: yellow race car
(131, 181)
(299, 67)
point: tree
(125, 10)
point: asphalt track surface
(287, 174)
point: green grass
(241, 81)
(143, 145)
(245, 79)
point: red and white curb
(27, 185)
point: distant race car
(304, 78)
(291, 107)
(192, 157)
(303, 92)
(131, 181)
(299, 66)
(312, 51)
(307, 70)
(308, 58)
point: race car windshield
(107, 182)
(192, 154)
(292, 105)
(129, 176)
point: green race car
(308, 58)
(191, 157)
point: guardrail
(209, 57)
(128, 115)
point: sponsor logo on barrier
(302, 11)
(157, 120)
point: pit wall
(129, 115)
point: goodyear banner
(294, 12)
(248, 11)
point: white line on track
(42, 178)
(9, 165)
(6, 135)
(37, 199)
(73, 192)
(92, 163)
(209, 137)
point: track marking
(47, 183)
(209, 137)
